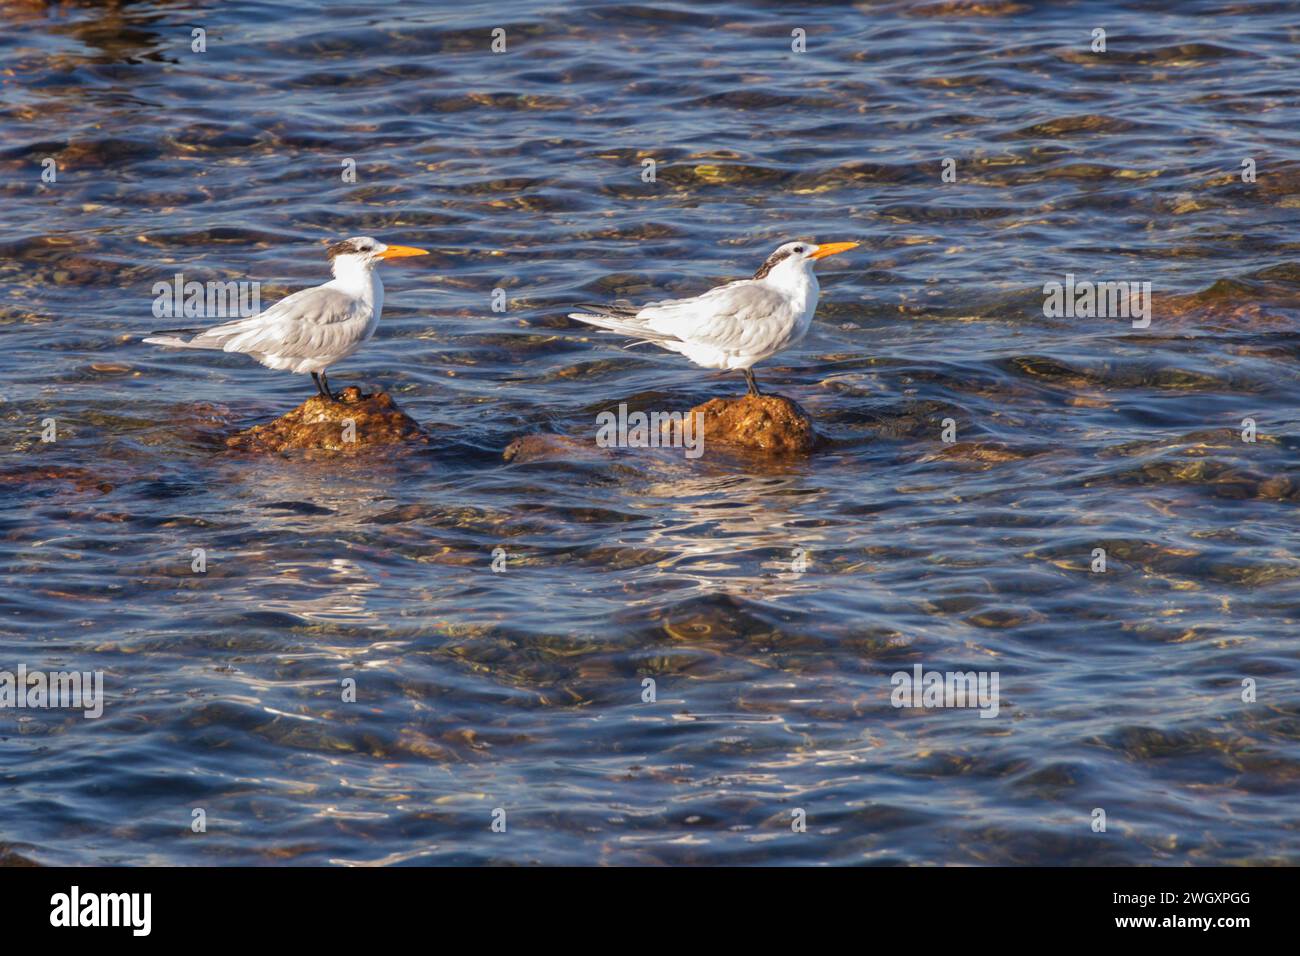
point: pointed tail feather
(214, 338)
(171, 337)
(176, 342)
(624, 322)
(621, 307)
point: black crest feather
(772, 261)
(346, 247)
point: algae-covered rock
(351, 425)
(771, 424)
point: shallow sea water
(523, 690)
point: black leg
(753, 385)
(328, 391)
(322, 386)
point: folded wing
(732, 318)
(736, 317)
(314, 322)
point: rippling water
(523, 690)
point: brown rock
(1278, 487)
(324, 426)
(78, 479)
(771, 424)
(552, 447)
(10, 857)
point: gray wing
(314, 322)
(736, 317)
(310, 323)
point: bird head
(794, 258)
(363, 253)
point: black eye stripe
(772, 261)
(349, 247)
(346, 247)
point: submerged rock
(771, 424)
(542, 447)
(76, 479)
(353, 423)
(10, 857)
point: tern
(735, 325)
(313, 329)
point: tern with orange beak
(310, 330)
(733, 326)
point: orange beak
(401, 252)
(832, 249)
